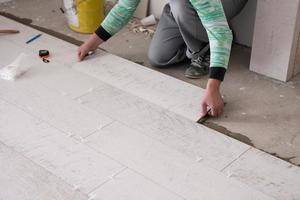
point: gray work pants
(180, 33)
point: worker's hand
(212, 100)
(90, 45)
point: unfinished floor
(260, 111)
(108, 128)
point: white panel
(166, 91)
(275, 38)
(53, 75)
(115, 70)
(133, 186)
(51, 106)
(182, 134)
(152, 86)
(21, 179)
(65, 157)
(168, 150)
(268, 174)
(187, 177)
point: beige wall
(297, 62)
(297, 56)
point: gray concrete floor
(260, 110)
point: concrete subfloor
(259, 111)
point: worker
(193, 29)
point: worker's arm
(213, 18)
(115, 20)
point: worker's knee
(156, 59)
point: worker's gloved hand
(212, 100)
(90, 45)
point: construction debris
(148, 21)
(136, 26)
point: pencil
(33, 38)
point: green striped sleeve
(213, 18)
(119, 15)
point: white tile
(9, 51)
(51, 106)
(63, 156)
(21, 179)
(133, 186)
(165, 91)
(189, 109)
(267, 174)
(66, 82)
(114, 70)
(150, 85)
(186, 136)
(165, 166)
(168, 149)
(53, 75)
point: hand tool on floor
(33, 38)
(9, 31)
(44, 54)
(90, 53)
(204, 118)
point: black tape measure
(44, 54)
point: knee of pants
(179, 9)
(156, 59)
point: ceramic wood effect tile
(173, 130)
(133, 186)
(167, 149)
(267, 174)
(52, 75)
(165, 166)
(114, 70)
(157, 88)
(51, 106)
(14, 51)
(62, 155)
(21, 179)
(152, 86)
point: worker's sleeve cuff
(217, 73)
(103, 34)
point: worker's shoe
(199, 67)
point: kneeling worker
(194, 29)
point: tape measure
(44, 54)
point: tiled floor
(261, 111)
(109, 129)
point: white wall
(276, 36)
(243, 24)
